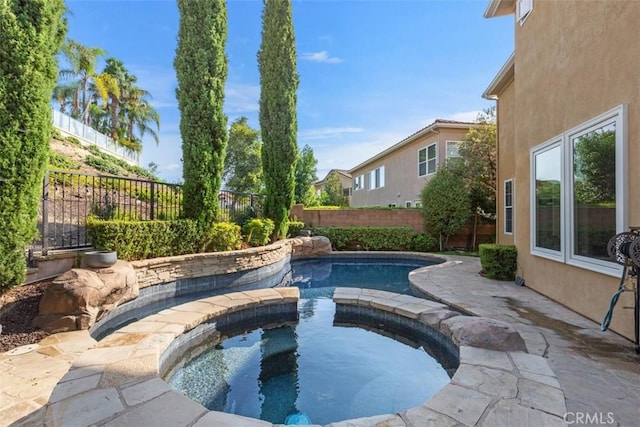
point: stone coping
(117, 381)
(490, 388)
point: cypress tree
(278, 121)
(201, 67)
(31, 33)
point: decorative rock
(302, 247)
(484, 333)
(78, 298)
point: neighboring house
(568, 119)
(345, 180)
(396, 176)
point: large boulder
(302, 247)
(81, 296)
(483, 332)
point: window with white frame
(546, 191)
(407, 204)
(508, 206)
(376, 178)
(523, 9)
(579, 192)
(453, 152)
(427, 160)
(358, 182)
(453, 149)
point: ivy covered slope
(69, 154)
(30, 35)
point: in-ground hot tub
(326, 366)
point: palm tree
(64, 96)
(102, 86)
(116, 69)
(140, 114)
(82, 62)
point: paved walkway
(598, 371)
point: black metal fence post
(45, 213)
(152, 208)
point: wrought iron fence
(68, 198)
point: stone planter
(99, 259)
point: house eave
(504, 76)
(432, 128)
(499, 8)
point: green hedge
(368, 238)
(134, 240)
(498, 261)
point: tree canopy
(305, 174)
(333, 194)
(478, 151)
(243, 163)
(111, 101)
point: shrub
(257, 231)
(294, 228)
(424, 242)
(58, 161)
(105, 160)
(73, 140)
(55, 134)
(222, 236)
(445, 204)
(134, 240)
(102, 164)
(367, 238)
(498, 261)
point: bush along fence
(384, 217)
(377, 238)
(69, 198)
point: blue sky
(371, 71)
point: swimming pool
(318, 277)
(314, 369)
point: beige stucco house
(568, 114)
(396, 176)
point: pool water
(314, 371)
(319, 277)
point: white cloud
(322, 56)
(468, 116)
(330, 132)
(241, 98)
(170, 167)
